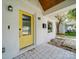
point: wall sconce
(43, 25)
(10, 8)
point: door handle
(19, 32)
(19, 29)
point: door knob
(19, 28)
(19, 32)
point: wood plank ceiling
(46, 4)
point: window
(49, 27)
(26, 24)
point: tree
(60, 20)
(71, 15)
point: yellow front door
(26, 29)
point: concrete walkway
(47, 51)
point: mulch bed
(58, 43)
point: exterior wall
(11, 37)
(43, 33)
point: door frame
(34, 41)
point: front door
(26, 29)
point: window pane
(26, 24)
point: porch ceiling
(46, 4)
(50, 6)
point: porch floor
(47, 51)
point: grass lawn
(70, 33)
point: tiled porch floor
(46, 51)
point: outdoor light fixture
(43, 25)
(39, 18)
(10, 8)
